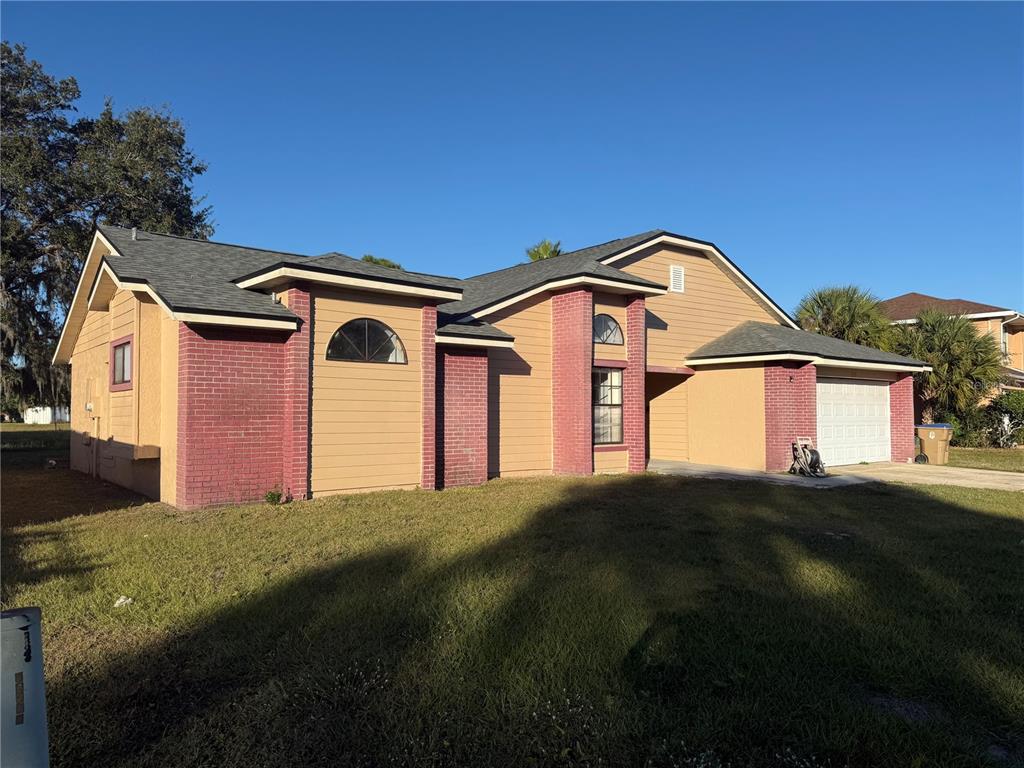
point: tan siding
(367, 417)
(119, 421)
(856, 373)
(711, 304)
(1015, 348)
(615, 306)
(519, 391)
(610, 462)
(668, 425)
(168, 408)
(727, 416)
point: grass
(1006, 459)
(613, 621)
(15, 436)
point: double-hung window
(121, 364)
(607, 402)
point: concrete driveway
(930, 474)
(922, 474)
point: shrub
(273, 496)
(1006, 417)
(970, 429)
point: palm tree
(381, 261)
(545, 249)
(965, 365)
(844, 312)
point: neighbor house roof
(910, 305)
(758, 340)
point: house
(206, 373)
(1004, 325)
(45, 414)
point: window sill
(609, 447)
(121, 387)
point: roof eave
(567, 281)
(911, 366)
(283, 273)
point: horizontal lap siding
(667, 420)
(122, 404)
(519, 392)
(610, 462)
(711, 304)
(367, 417)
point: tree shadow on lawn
(636, 622)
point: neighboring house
(205, 373)
(1006, 326)
(44, 414)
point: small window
(676, 279)
(121, 363)
(606, 330)
(607, 396)
(366, 341)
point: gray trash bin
(23, 738)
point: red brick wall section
(790, 410)
(230, 417)
(297, 373)
(901, 418)
(572, 350)
(634, 410)
(428, 357)
(462, 417)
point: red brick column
(901, 418)
(462, 417)
(298, 380)
(634, 403)
(790, 410)
(572, 352)
(428, 368)
(230, 419)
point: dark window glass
(365, 340)
(606, 330)
(123, 363)
(607, 403)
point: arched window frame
(612, 331)
(363, 349)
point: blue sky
(879, 144)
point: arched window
(366, 341)
(606, 330)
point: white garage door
(853, 421)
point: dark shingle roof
(910, 305)
(340, 264)
(194, 275)
(474, 329)
(754, 338)
(487, 289)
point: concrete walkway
(839, 477)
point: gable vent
(676, 281)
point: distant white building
(44, 414)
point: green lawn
(1007, 459)
(641, 621)
(14, 436)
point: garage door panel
(853, 421)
